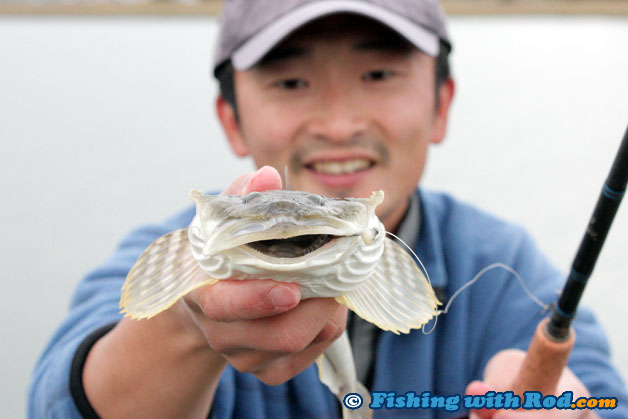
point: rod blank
(591, 244)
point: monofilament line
(491, 267)
(427, 275)
(477, 276)
(286, 178)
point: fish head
(327, 245)
(300, 218)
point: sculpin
(329, 247)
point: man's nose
(338, 117)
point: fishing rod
(550, 346)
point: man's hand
(170, 365)
(501, 372)
(262, 326)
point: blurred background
(107, 120)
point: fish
(330, 247)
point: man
(347, 95)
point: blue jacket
(455, 242)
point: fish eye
(369, 235)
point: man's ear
(445, 96)
(231, 127)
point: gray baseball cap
(251, 28)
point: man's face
(347, 106)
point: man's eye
(292, 84)
(376, 75)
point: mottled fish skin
(270, 204)
(237, 237)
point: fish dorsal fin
(165, 272)
(396, 297)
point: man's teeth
(341, 167)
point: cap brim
(249, 53)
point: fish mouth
(292, 247)
(278, 237)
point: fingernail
(283, 297)
(265, 167)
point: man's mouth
(341, 167)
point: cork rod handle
(544, 362)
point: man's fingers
(478, 388)
(286, 333)
(238, 185)
(287, 367)
(275, 359)
(265, 179)
(502, 371)
(503, 368)
(232, 300)
(268, 363)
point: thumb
(479, 388)
(265, 179)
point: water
(107, 122)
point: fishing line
(491, 267)
(497, 265)
(286, 178)
(427, 275)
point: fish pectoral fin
(165, 272)
(397, 296)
